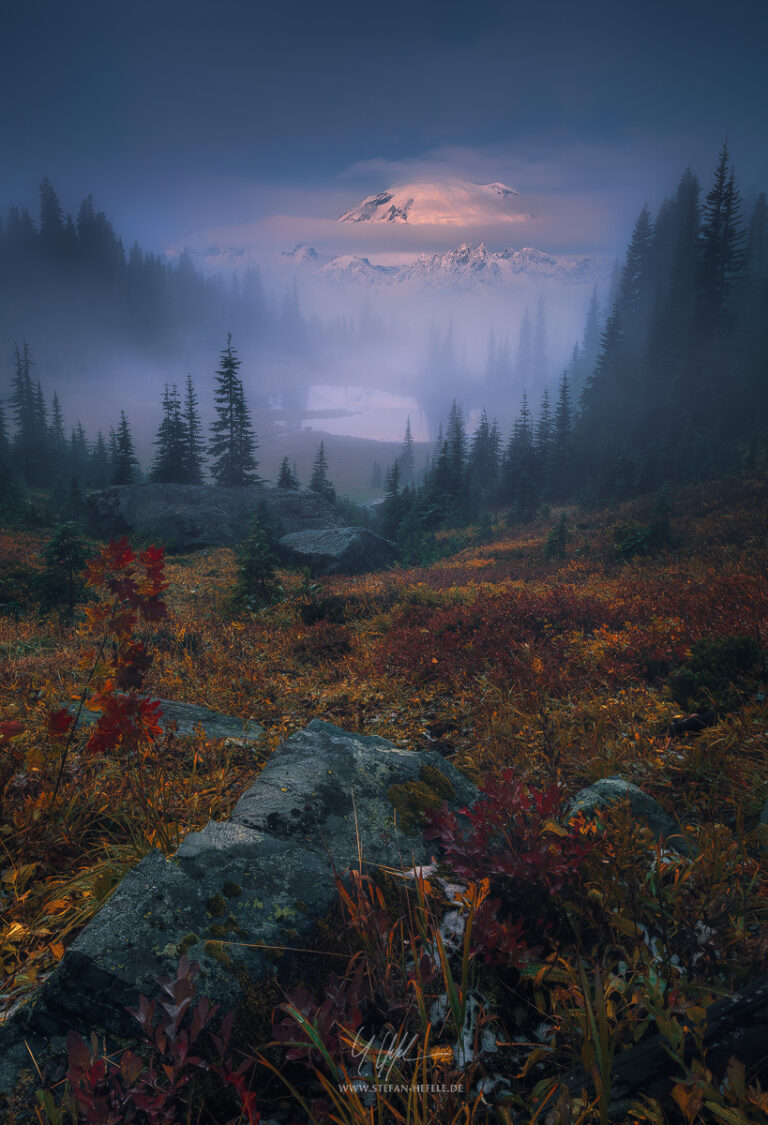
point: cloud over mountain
(440, 203)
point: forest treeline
(70, 281)
(677, 391)
(672, 386)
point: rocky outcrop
(185, 718)
(342, 550)
(185, 517)
(239, 891)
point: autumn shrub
(718, 674)
(162, 1083)
(512, 836)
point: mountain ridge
(466, 265)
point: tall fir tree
(590, 344)
(319, 481)
(561, 482)
(483, 462)
(168, 466)
(125, 467)
(98, 466)
(540, 359)
(286, 478)
(407, 457)
(233, 442)
(194, 447)
(22, 402)
(721, 265)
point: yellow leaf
(15, 932)
(57, 906)
(555, 829)
(57, 950)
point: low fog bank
(340, 341)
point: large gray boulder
(241, 893)
(185, 517)
(340, 550)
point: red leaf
(59, 723)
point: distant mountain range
(465, 267)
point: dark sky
(184, 118)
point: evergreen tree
(407, 457)
(22, 403)
(540, 362)
(377, 477)
(722, 248)
(233, 444)
(527, 498)
(483, 462)
(98, 466)
(636, 287)
(64, 557)
(56, 435)
(456, 436)
(520, 454)
(78, 453)
(169, 465)
(286, 477)
(561, 483)
(587, 353)
(193, 455)
(257, 584)
(525, 353)
(126, 464)
(52, 239)
(319, 481)
(671, 382)
(392, 509)
(543, 440)
(721, 263)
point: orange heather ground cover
(498, 656)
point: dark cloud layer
(184, 115)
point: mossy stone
(216, 905)
(216, 950)
(412, 799)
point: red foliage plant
(106, 1092)
(130, 586)
(512, 836)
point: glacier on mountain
(450, 202)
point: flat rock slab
(338, 550)
(239, 892)
(186, 718)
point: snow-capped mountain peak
(456, 202)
